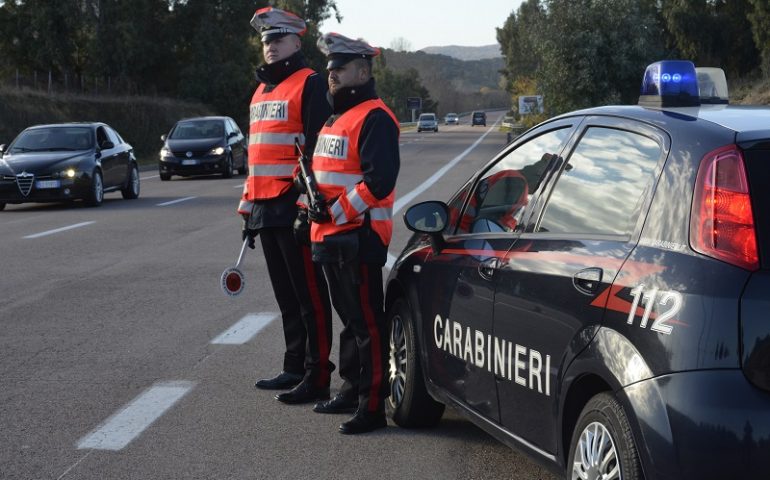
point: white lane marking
(238, 186)
(57, 230)
(147, 178)
(245, 329)
(127, 424)
(403, 201)
(175, 201)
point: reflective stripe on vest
(275, 121)
(337, 165)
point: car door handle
(487, 268)
(587, 281)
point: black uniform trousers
(303, 298)
(357, 295)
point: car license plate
(48, 184)
(189, 162)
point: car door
(458, 283)
(235, 139)
(122, 156)
(554, 282)
(108, 158)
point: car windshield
(52, 139)
(427, 117)
(198, 129)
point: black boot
(339, 404)
(282, 381)
(363, 422)
(305, 392)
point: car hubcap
(98, 190)
(134, 181)
(596, 457)
(397, 362)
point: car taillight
(722, 223)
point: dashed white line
(245, 329)
(127, 424)
(175, 201)
(147, 178)
(57, 230)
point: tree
(759, 17)
(518, 39)
(394, 88)
(593, 52)
(400, 44)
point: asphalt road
(112, 317)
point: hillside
(140, 120)
(466, 53)
(457, 85)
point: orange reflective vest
(275, 120)
(337, 166)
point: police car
(597, 295)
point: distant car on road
(451, 119)
(478, 118)
(203, 146)
(68, 161)
(427, 121)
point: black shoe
(305, 392)
(363, 422)
(338, 404)
(282, 381)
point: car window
(52, 139)
(499, 198)
(101, 136)
(602, 187)
(198, 129)
(113, 136)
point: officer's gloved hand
(319, 214)
(249, 233)
(302, 227)
(299, 184)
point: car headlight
(165, 152)
(217, 151)
(68, 173)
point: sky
(423, 23)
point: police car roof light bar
(670, 83)
(712, 85)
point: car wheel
(409, 403)
(227, 170)
(165, 177)
(95, 196)
(244, 167)
(131, 190)
(602, 445)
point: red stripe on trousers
(374, 341)
(320, 321)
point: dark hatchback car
(69, 161)
(478, 118)
(597, 295)
(203, 146)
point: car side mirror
(163, 137)
(106, 145)
(429, 218)
(232, 134)
(2, 149)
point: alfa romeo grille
(24, 181)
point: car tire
(165, 177)
(602, 442)
(409, 404)
(244, 166)
(130, 190)
(227, 169)
(95, 195)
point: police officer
(356, 163)
(289, 104)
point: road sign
(413, 103)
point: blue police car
(597, 295)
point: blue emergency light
(670, 83)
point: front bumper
(192, 166)
(67, 189)
(702, 425)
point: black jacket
(281, 211)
